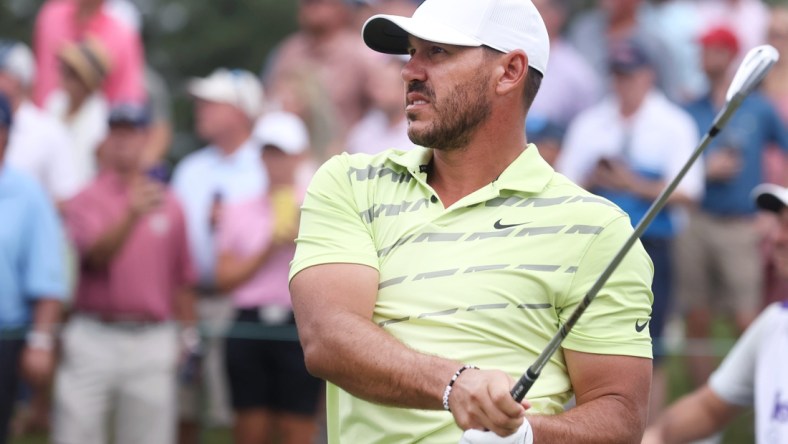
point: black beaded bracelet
(447, 390)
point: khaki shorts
(718, 265)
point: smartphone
(158, 173)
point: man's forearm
(373, 365)
(46, 315)
(695, 416)
(606, 420)
(185, 307)
(232, 271)
(101, 253)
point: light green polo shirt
(486, 281)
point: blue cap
(628, 56)
(5, 111)
(131, 114)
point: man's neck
(75, 103)
(719, 90)
(457, 173)
(231, 143)
(124, 177)
(87, 10)
(627, 110)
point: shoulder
(594, 117)
(579, 203)
(198, 159)
(21, 181)
(27, 187)
(663, 110)
(354, 164)
(701, 103)
(245, 209)
(758, 101)
(775, 312)
(88, 196)
(33, 118)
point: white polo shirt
(663, 137)
(199, 177)
(40, 146)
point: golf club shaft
(528, 378)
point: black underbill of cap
(382, 35)
(769, 202)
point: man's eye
(437, 50)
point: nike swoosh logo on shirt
(639, 327)
(499, 226)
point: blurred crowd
(155, 299)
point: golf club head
(752, 70)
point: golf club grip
(523, 385)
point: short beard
(458, 115)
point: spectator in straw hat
(79, 103)
(62, 21)
(39, 145)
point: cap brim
(206, 90)
(389, 33)
(770, 197)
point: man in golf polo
(424, 281)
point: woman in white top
(79, 104)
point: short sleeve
(685, 139)
(778, 129)
(43, 265)
(575, 160)
(184, 264)
(734, 379)
(62, 177)
(616, 321)
(83, 227)
(228, 233)
(332, 230)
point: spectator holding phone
(122, 346)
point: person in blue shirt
(32, 279)
(718, 258)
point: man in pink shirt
(270, 387)
(63, 21)
(121, 347)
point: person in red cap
(719, 263)
(720, 38)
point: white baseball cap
(504, 25)
(237, 87)
(16, 58)
(283, 130)
(770, 197)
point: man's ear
(514, 69)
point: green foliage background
(186, 38)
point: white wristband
(190, 338)
(40, 340)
